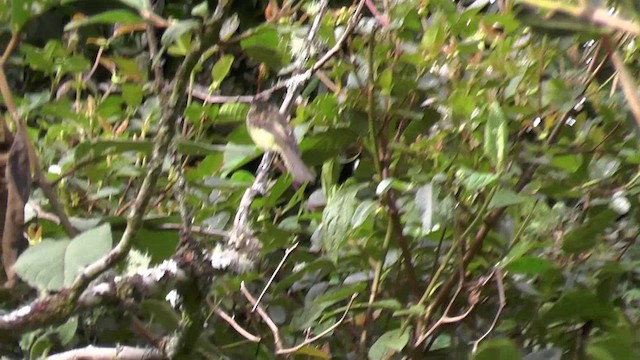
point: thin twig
(244, 333)
(497, 275)
(287, 252)
(323, 333)
(263, 315)
(15, 38)
(276, 333)
(445, 318)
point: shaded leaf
(390, 342)
(497, 349)
(585, 237)
(162, 313)
(577, 305)
(337, 220)
(473, 180)
(54, 264)
(619, 346)
(505, 197)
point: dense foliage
(476, 192)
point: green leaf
(585, 237)
(75, 64)
(495, 136)
(38, 59)
(178, 37)
(132, 94)
(578, 305)
(473, 180)
(220, 70)
(159, 245)
(497, 349)
(570, 163)
(618, 346)
(162, 313)
(363, 212)
(41, 347)
(67, 331)
(504, 198)
(308, 350)
(326, 145)
(337, 220)
(263, 46)
(54, 264)
(389, 343)
(229, 27)
(121, 17)
(530, 265)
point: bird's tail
(296, 166)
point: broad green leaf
(132, 94)
(200, 10)
(569, 163)
(385, 81)
(236, 155)
(391, 304)
(495, 136)
(177, 30)
(389, 343)
(497, 349)
(318, 148)
(108, 17)
(158, 245)
(473, 180)
(67, 331)
(38, 59)
(578, 305)
(162, 313)
(585, 237)
(505, 197)
(75, 64)
(41, 347)
(54, 264)
(231, 113)
(264, 46)
(220, 70)
(337, 220)
(619, 346)
(529, 265)
(340, 293)
(363, 212)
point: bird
(270, 131)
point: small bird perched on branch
(270, 131)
